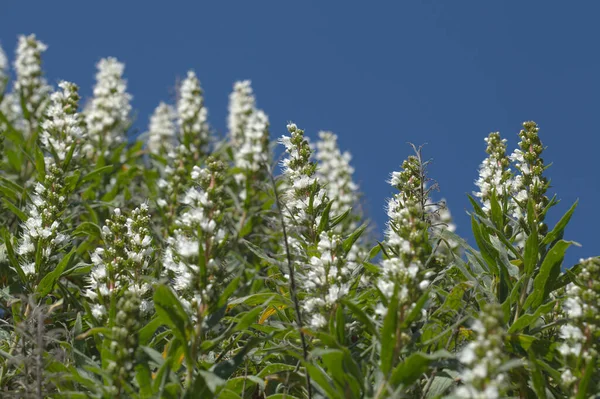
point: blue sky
(379, 74)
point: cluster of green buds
(123, 264)
(304, 198)
(172, 185)
(407, 246)
(483, 358)
(193, 255)
(581, 335)
(530, 183)
(124, 342)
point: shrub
(177, 265)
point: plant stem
(292, 281)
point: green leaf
(531, 254)
(537, 377)
(320, 377)
(147, 331)
(567, 277)
(143, 376)
(95, 173)
(349, 242)
(527, 319)
(340, 323)
(415, 312)
(260, 298)
(88, 229)
(339, 219)
(16, 210)
(248, 318)
(496, 211)
(549, 271)
(342, 369)
(441, 383)
(409, 371)
(558, 230)
(226, 368)
(476, 207)
(171, 312)
(40, 164)
(47, 283)
(228, 291)
(531, 218)
(324, 218)
(12, 258)
(204, 386)
(584, 384)
(485, 247)
(388, 334)
(374, 251)
(362, 317)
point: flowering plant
(182, 266)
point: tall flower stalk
(192, 117)
(107, 116)
(30, 83)
(162, 132)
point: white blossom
(30, 82)
(3, 70)
(163, 129)
(335, 173)
(107, 116)
(192, 114)
(241, 106)
(62, 129)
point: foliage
(180, 266)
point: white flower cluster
(495, 174)
(327, 279)
(42, 228)
(174, 177)
(404, 266)
(162, 131)
(482, 359)
(197, 230)
(300, 177)
(61, 130)
(107, 116)
(335, 173)
(241, 105)
(3, 70)
(30, 83)
(192, 114)
(11, 108)
(582, 308)
(248, 131)
(123, 260)
(252, 153)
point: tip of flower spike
(291, 127)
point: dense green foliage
(182, 266)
